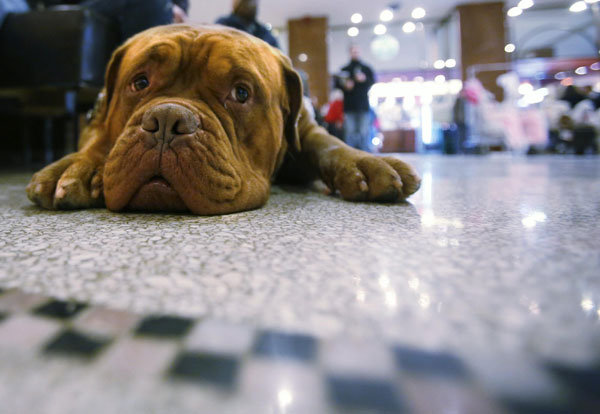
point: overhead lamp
(439, 64)
(409, 27)
(525, 88)
(578, 6)
(525, 4)
(353, 31)
(356, 18)
(386, 15)
(582, 70)
(514, 12)
(380, 29)
(509, 48)
(450, 63)
(418, 13)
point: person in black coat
(243, 17)
(355, 80)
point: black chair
(52, 64)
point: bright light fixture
(582, 70)
(356, 18)
(560, 76)
(380, 29)
(578, 6)
(440, 79)
(514, 12)
(439, 64)
(353, 31)
(418, 13)
(386, 15)
(509, 48)
(525, 88)
(302, 57)
(450, 63)
(595, 66)
(525, 4)
(409, 27)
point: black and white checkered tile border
(572, 390)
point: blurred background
(450, 76)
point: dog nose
(166, 121)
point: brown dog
(202, 119)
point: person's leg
(350, 128)
(364, 130)
(133, 16)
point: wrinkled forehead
(220, 51)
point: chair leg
(48, 151)
(27, 153)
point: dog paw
(73, 182)
(371, 178)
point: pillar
(482, 39)
(308, 37)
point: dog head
(196, 119)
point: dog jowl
(203, 120)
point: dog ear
(100, 111)
(112, 70)
(292, 103)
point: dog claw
(60, 192)
(363, 186)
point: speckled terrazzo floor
(493, 256)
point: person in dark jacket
(355, 80)
(243, 17)
(134, 16)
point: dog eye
(240, 94)
(141, 82)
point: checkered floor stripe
(348, 376)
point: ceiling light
(582, 70)
(525, 88)
(509, 48)
(450, 63)
(525, 4)
(409, 27)
(560, 76)
(439, 64)
(595, 66)
(386, 15)
(578, 6)
(418, 13)
(302, 57)
(356, 18)
(440, 79)
(380, 29)
(514, 12)
(353, 31)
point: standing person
(355, 81)
(243, 17)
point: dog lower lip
(158, 180)
(157, 195)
